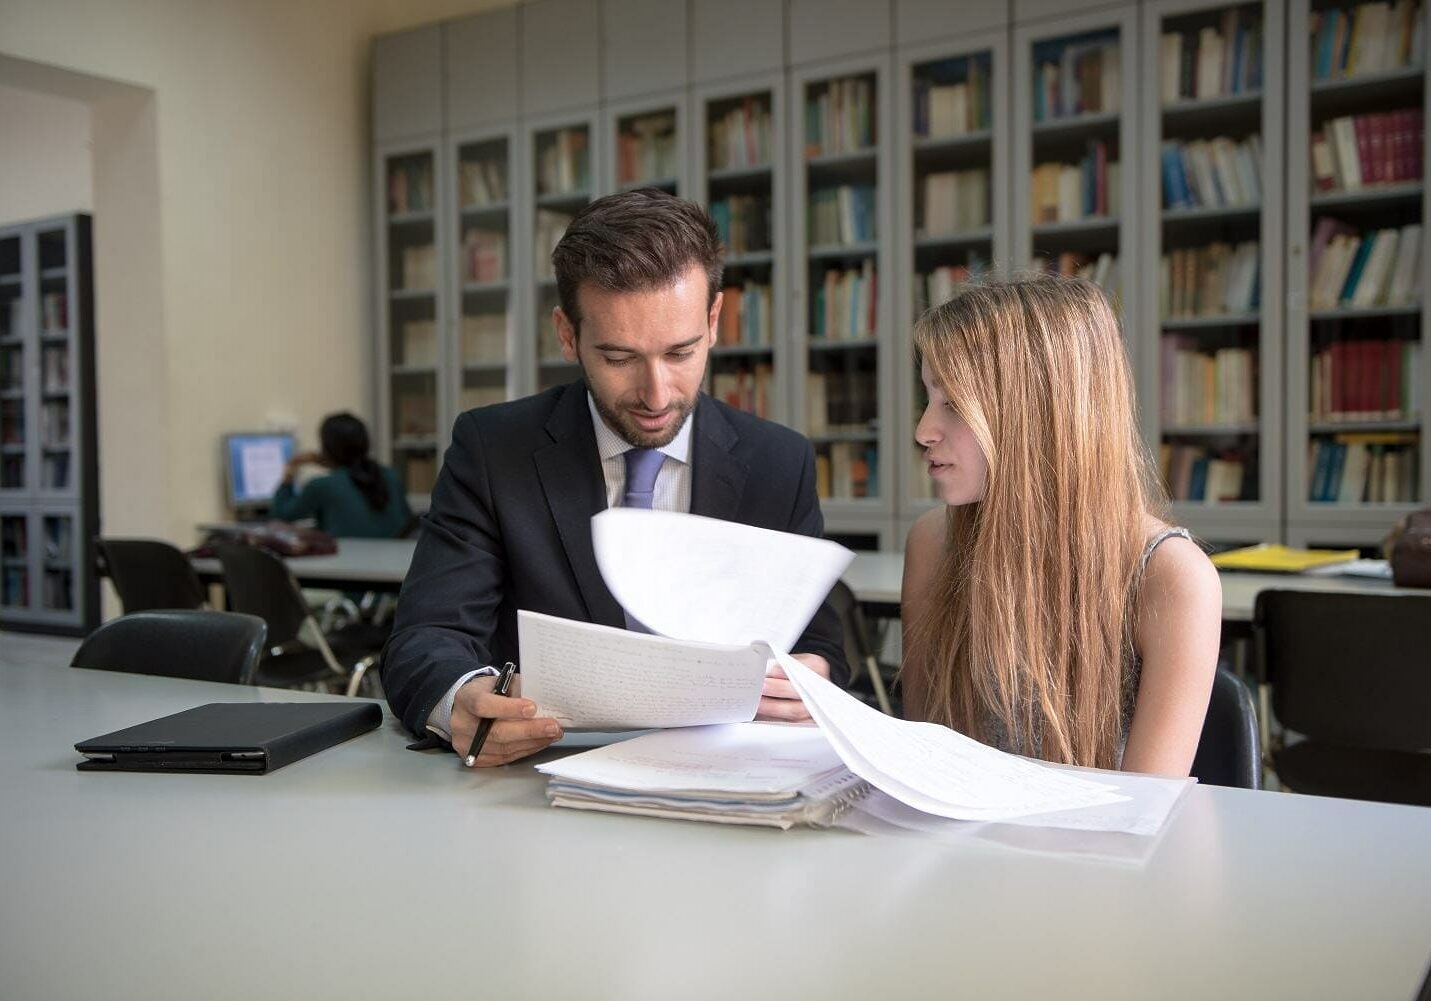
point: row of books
(846, 471)
(1101, 269)
(54, 313)
(12, 422)
(1081, 78)
(1366, 380)
(12, 372)
(473, 396)
(1213, 62)
(938, 285)
(842, 215)
(841, 402)
(1363, 469)
(54, 370)
(484, 338)
(1201, 475)
(1357, 151)
(1210, 173)
(646, 149)
(415, 414)
(12, 319)
(953, 200)
(1378, 268)
(741, 137)
(12, 472)
(14, 538)
(410, 185)
(1210, 281)
(419, 473)
(59, 539)
(484, 255)
(840, 118)
(745, 315)
(1068, 192)
(1202, 387)
(1365, 39)
(945, 110)
(564, 163)
(55, 471)
(551, 226)
(482, 182)
(743, 222)
(417, 344)
(55, 424)
(845, 305)
(419, 267)
(746, 388)
(16, 590)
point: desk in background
(319, 881)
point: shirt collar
(610, 444)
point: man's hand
(779, 700)
(518, 731)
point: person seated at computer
(1049, 608)
(358, 499)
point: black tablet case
(202, 739)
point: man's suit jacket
(510, 527)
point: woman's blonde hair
(1027, 625)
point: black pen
(504, 684)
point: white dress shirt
(672, 493)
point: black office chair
(258, 583)
(859, 653)
(178, 643)
(150, 574)
(1351, 673)
(1229, 752)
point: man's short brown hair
(636, 241)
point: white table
(369, 871)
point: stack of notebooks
(697, 678)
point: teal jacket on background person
(340, 509)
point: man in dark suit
(638, 278)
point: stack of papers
(720, 634)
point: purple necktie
(642, 465)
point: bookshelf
(952, 156)
(414, 396)
(1357, 371)
(738, 154)
(1210, 360)
(49, 491)
(645, 144)
(1075, 151)
(842, 210)
(561, 179)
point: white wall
(256, 235)
(45, 158)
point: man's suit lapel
(718, 478)
(570, 473)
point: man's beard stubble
(633, 435)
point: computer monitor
(253, 467)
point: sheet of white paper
(592, 677)
(1376, 569)
(933, 768)
(742, 759)
(711, 580)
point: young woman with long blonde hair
(1049, 609)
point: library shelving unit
(738, 155)
(952, 165)
(481, 359)
(413, 396)
(842, 387)
(1358, 456)
(564, 153)
(1075, 151)
(49, 490)
(644, 143)
(1210, 350)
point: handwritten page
(933, 768)
(591, 677)
(711, 580)
(745, 759)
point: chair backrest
(258, 583)
(852, 619)
(179, 643)
(150, 574)
(1229, 752)
(1348, 669)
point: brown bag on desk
(1409, 550)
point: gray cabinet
(736, 38)
(643, 48)
(832, 29)
(559, 64)
(407, 84)
(480, 70)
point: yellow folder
(1271, 558)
